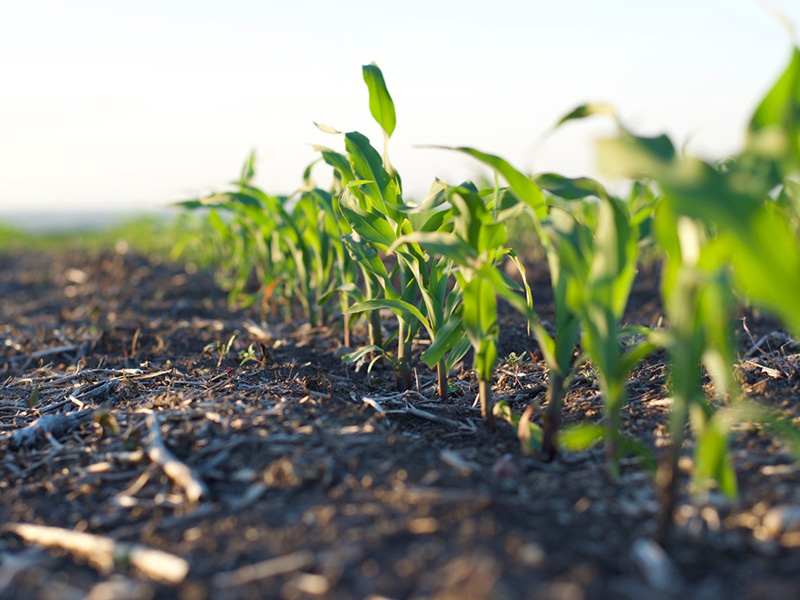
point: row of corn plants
(726, 233)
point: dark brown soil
(306, 459)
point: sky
(120, 105)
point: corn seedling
(558, 349)
(698, 302)
(371, 203)
(432, 274)
(295, 243)
(476, 246)
(600, 266)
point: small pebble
(782, 519)
(656, 567)
(505, 468)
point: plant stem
(403, 376)
(487, 404)
(374, 320)
(667, 473)
(615, 398)
(386, 164)
(552, 417)
(441, 374)
(666, 483)
(346, 328)
(404, 330)
(312, 314)
(375, 335)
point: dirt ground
(293, 476)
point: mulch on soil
(293, 476)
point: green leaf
(380, 102)
(570, 188)
(495, 279)
(367, 164)
(248, 169)
(458, 352)
(769, 240)
(778, 115)
(338, 161)
(503, 411)
(532, 439)
(581, 436)
(528, 294)
(614, 260)
(346, 289)
(522, 186)
(363, 351)
(437, 195)
(712, 462)
(370, 226)
(547, 345)
(448, 337)
(634, 156)
(227, 200)
(587, 110)
(437, 221)
(218, 224)
(440, 244)
(395, 305)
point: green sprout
(599, 267)
(476, 247)
(558, 349)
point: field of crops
(386, 398)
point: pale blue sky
(120, 105)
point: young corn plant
(372, 208)
(558, 349)
(371, 203)
(433, 275)
(285, 245)
(362, 255)
(317, 218)
(435, 265)
(242, 251)
(698, 302)
(600, 266)
(770, 160)
(476, 246)
(576, 208)
(569, 220)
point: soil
(319, 482)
